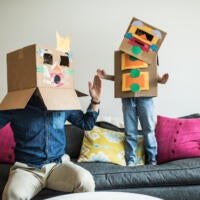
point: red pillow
(7, 145)
(177, 138)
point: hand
(101, 73)
(95, 89)
(163, 79)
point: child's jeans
(141, 108)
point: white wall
(96, 28)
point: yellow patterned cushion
(105, 145)
(140, 152)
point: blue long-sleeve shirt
(40, 134)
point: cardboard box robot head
(45, 70)
(142, 40)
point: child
(141, 108)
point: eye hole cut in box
(48, 59)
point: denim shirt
(40, 134)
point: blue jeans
(141, 108)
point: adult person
(41, 161)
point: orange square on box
(142, 81)
(128, 63)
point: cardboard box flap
(60, 98)
(16, 99)
(81, 94)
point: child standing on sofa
(141, 108)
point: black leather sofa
(175, 180)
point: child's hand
(101, 73)
(163, 79)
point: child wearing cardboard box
(40, 99)
(135, 82)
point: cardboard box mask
(47, 70)
(142, 40)
(134, 77)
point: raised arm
(95, 90)
(102, 74)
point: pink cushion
(177, 138)
(7, 145)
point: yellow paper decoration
(103, 145)
(63, 44)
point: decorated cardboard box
(47, 70)
(134, 77)
(142, 40)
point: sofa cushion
(107, 145)
(74, 137)
(110, 176)
(177, 138)
(7, 144)
(103, 145)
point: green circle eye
(135, 73)
(136, 50)
(135, 87)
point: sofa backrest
(74, 138)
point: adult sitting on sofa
(40, 99)
(40, 148)
(177, 176)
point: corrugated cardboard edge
(16, 99)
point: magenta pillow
(177, 138)
(7, 145)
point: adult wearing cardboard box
(40, 99)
